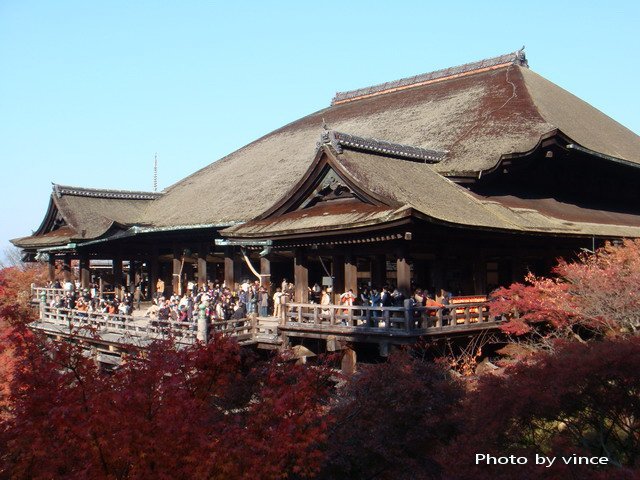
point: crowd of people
(89, 300)
(218, 302)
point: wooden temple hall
(461, 179)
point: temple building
(461, 179)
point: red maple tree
(598, 294)
(390, 419)
(208, 411)
(579, 399)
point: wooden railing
(407, 320)
(397, 319)
(49, 294)
(139, 327)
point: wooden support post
(131, 276)
(337, 270)
(85, 273)
(349, 360)
(351, 274)
(52, 268)
(66, 269)
(378, 271)
(437, 273)
(229, 270)
(154, 271)
(117, 275)
(203, 251)
(404, 273)
(176, 271)
(408, 315)
(479, 274)
(301, 276)
(265, 273)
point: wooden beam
(117, 275)
(403, 271)
(265, 273)
(301, 276)
(229, 271)
(378, 271)
(85, 272)
(154, 271)
(337, 267)
(175, 279)
(202, 265)
(66, 269)
(351, 274)
(51, 268)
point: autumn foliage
(202, 412)
(391, 419)
(582, 399)
(219, 411)
(599, 294)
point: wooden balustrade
(407, 320)
(50, 294)
(132, 327)
(415, 320)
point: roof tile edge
(514, 58)
(61, 190)
(339, 140)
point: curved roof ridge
(339, 140)
(513, 58)
(61, 190)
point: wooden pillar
(203, 251)
(66, 269)
(337, 267)
(265, 273)
(404, 272)
(437, 273)
(52, 268)
(378, 271)
(175, 278)
(301, 276)
(351, 274)
(479, 274)
(348, 363)
(117, 275)
(133, 269)
(85, 272)
(154, 271)
(229, 271)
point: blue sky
(90, 91)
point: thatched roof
(81, 214)
(464, 120)
(477, 116)
(417, 189)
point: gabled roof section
(391, 191)
(87, 213)
(477, 117)
(325, 181)
(514, 58)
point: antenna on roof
(155, 172)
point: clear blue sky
(90, 90)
